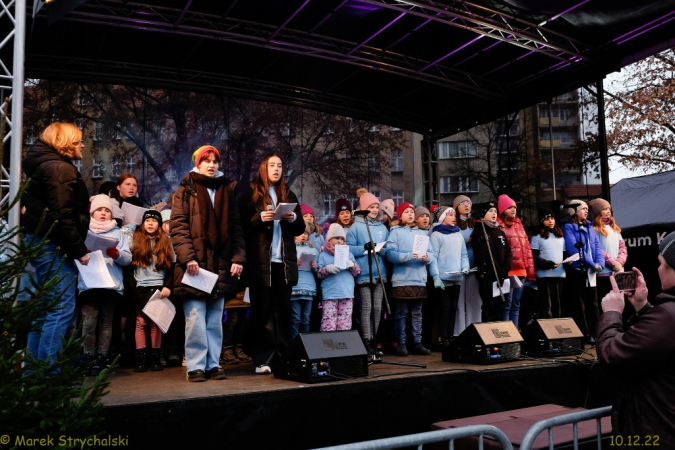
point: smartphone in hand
(626, 281)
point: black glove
(368, 246)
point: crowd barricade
(567, 419)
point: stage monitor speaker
(485, 343)
(553, 337)
(321, 357)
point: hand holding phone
(626, 281)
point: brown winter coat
(642, 354)
(188, 236)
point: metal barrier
(566, 419)
(431, 437)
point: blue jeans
(415, 307)
(44, 343)
(300, 311)
(203, 333)
(512, 305)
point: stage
(160, 409)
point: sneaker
(241, 356)
(263, 369)
(196, 375)
(227, 356)
(217, 373)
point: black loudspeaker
(485, 343)
(553, 337)
(321, 357)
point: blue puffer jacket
(451, 256)
(357, 236)
(407, 271)
(592, 250)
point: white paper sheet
(515, 281)
(593, 282)
(133, 213)
(95, 274)
(574, 257)
(341, 256)
(247, 296)
(378, 247)
(306, 259)
(98, 242)
(420, 245)
(204, 281)
(283, 209)
(161, 311)
(506, 287)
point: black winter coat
(55, 185)
(500, 248)
(642, 354)
(188, 237)
(258, 237)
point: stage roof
(425, 66)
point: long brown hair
(143, 253)
(599, 225)
(115, 193)
(261, 185)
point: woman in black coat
(272, 261)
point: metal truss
(46, 66)
(157, 18)
(13, 26)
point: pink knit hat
(366, 200)
(306, 209)
(504, 202)
(388, 207)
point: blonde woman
(57, 186)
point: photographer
(642, 353)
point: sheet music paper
(516, 282)
(593, 282)
(133, 213)
(306, 259)
(574, 257)
(204, 281)
(95, 274)
(420, 245)
(247, 296)
(341, 256)
(98, 242)
(506, 287)
(283, 209)
(378, 247)
(160, 310)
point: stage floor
(128, 388)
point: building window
(116, 167)
(83, 99)
(79, 123)
(130, 164)
(511, 145)
(456, 184)
(78, 164)
(328, 205)
(98, 131)
(286, 130)
(374, 163)
(395, 129)
(117, 132)
(374, 129)
(397, 161)
(29, 136)
(397, 197)
(97, 168)
(565, 137)
(457, 149)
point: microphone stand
(582, 264)
(377, 359)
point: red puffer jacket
(520, 247)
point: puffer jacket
(188, 237)
(520, 247)
(55, 185)
(258, 237)
(592, 253)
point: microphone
(361, 212)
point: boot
(98, 366)
(402, 350)
(140, 357)
(156, 356)
(227, 356)
(243, 357)
(421, 349)
(368, 344)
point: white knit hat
(100, 201)
(335, 230)
(580, 205)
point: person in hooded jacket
(57, 187)
(206, 235)
(641, 352)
